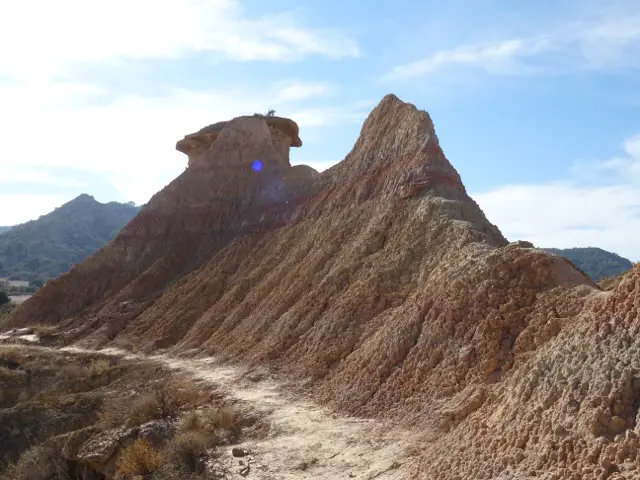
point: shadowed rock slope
(381, 283)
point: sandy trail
(305, 441)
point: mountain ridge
(379, 288)
(594, 261)
(50, 245)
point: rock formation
(380, 282)
(284, 134)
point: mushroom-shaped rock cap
(204, 137)
(286, 126)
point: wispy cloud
(14, 174)
(28, 206)
(295, 91)
(131, 140)
(42, 38)
(611, 41)
(598, 206)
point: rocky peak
(383, 282)
(399, 145)
(281, 132)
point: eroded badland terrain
(369, 319)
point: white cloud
(296, 91)
(40, 38)
(497, 57)
(51, 121)
(131, 141)
(27, 206)
(609, 42)
(18, 174)
(572, 213)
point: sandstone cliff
(382, 283)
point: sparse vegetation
(12, 354)
(270, 113)
(99, 367)
(37, 463)
(188, 451)
(139, 460)
(45, 331)
(47, 395)
(163, 402)
(225, 419)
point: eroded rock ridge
(380, 283)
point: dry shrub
(225, 418)
(114, 413)
(188, 451)
(191, 421)
(14, 354)
(139, 459)
(164, 402)
(171, 400)
(73, 371)
(8, 376)
(98, 367)
(45, 331)
(36, 463)
(144, 409)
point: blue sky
(537, 104)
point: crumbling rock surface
(383, 284)
(284, 131)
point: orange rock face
(382, 283)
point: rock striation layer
(381, 283)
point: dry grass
(226, 419)
(98, 367)
(73, 372)
(144, 409)
(45, 331)
(13, 353)
(36, 463)
(166, 401)
(218, 425)
(9, 376)
(188, 451)
(191, 421)
(139, 460)
(97, 386)
(212, 420)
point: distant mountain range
(52, 244)
(49, 246)
(595, 262)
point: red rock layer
(383, 285)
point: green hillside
(51, 245)
(595, 262)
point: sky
(536, 104)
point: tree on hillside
(4, 298)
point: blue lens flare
(257, 165)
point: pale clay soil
(333, 447)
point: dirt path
(305, 441)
